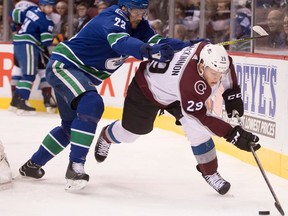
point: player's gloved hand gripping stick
(252, 148)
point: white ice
(154, 176)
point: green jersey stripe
(52, 145)
(155, 39)
(16, 16)
(26, 38)
(68, 79)
(81, 138)
(62, 50)
(24, 84)
(114, 37)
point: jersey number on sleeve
(192, 106)
(119, 22)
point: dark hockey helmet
(134, 4)
(47, 2)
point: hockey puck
(264, 212)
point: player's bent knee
(90, 106)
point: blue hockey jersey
(36, 27)
(105, 42)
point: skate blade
(75, 185)
(5, 185)
(12, 109)
(51, 110)
(25, 113)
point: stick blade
(279, 208)
(259, 30)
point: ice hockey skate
(76, 177)
(31, 169)
(218, 183)
(24, 108)
(50, 103)
(13, 103)
(102, 147)
(5, 171)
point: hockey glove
(243, 139)
(197, 40)
(233, 101)
(159, 52)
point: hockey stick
(277, 203)
(258, 29)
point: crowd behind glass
(221, 20)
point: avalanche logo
(200, 87)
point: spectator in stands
(242, 25)
(1, 10)
(62, 10)
(192, 5)
(1, 20)
(157, 26)
(101, 5)
(93, 10)
(158, 9)
(285, 27)
(88, 2)
(271, 3)
(98, 6)
(221, 22)
(1, 31)
(63, 35)
(192, 19)
(82, 16)
(180, 32)
(179, 14)
(276, 38)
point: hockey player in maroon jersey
(182, 87)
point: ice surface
(153, 176)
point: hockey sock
(206, 157)
(82, 135)
(208, 168)
(43, 81)
(89, 110)
(116, 133)
(52, 145)
(24, 86)
(46, 91)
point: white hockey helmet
(215, 57)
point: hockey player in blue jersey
(82, 62)
(29, 42)
(48, 99)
